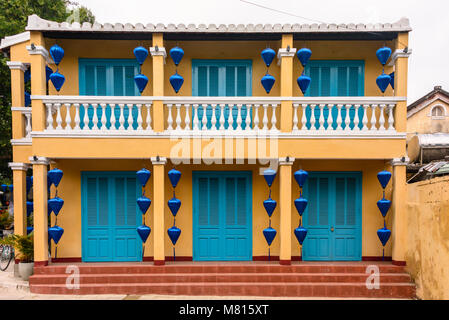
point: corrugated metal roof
(35, 23)
(433, 140)
(443, 170)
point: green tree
(13, 19)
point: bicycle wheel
(6, 256)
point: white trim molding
(39, 160)
(158, 51)
(285, 52)
(159, 160)
(17, 65)
(15, 39)
(400, 161)
(40, 50)
(22, 142)
(288, 161)
(18, 166)
(399, 53)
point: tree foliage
(13, 19)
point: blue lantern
(4, 187)
(176, 54)
(304, 83)
(383, 54)
(269, 176)
(304, 55)
(30, 208)
(384, 178)
(301, 177)
(176, 82)
(301, 234)
(392, 80)
(269, 234)
(11, 188)
(143, 176)
(174, 176)
(384, 235)
(27, 99)
(48, 72)
(269, 206)
(141, 54)
(144, 232)
(58, 80)
(174, 205)
(268, 82)
(144, 204)
(301, 205)
(55, 205)
(268, 56)
(29, 230)
(27, 76)
(55, 233)
(29, 183)
(141, 82)
(57, 53)
(384, 205)
(173, 234)
(383, 81)
(55, 176)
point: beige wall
(428, 237)
(422, 122)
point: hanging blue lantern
(392, 80)
(304, 55)
(55, 176)
(29, 183)
(301, 234)
(27, 76)
(384, 235)
(174, 233)
(48, 72)
(270, 206)
(268, 55)
(4, 188)
(141, 82)
(383, 54)
(301, 177)
(268, 82)
(174, 205)
(143, 176)
(27, 99)
(304, 83)
(55, 233)
(58, 80)
(301, 205)
(30, 208)
(174, 176)
(269, 234)
(29, 230)
(141, 54)
(384, 205)
(384, 178)
(383, 82)
(144, 204)
(144, 232)
(176, 54)
(57, 53)
(11, 188)
(176, 82)
(269, 176)
(56, 205)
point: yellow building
(356, 132)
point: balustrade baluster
(49, 116)
(365, 117)
(149, 128)
(321, 120)
(95, 117)
(295, 117)
(339, 118)
(139, 117)
(68, 118)
(178, 117)
(231, 118)
(265, 117)
(382, 118)
(170, 118)
(204, 119)
(248, 117)
(348, 118)
(273, 118)
(391, 118)
(77, 117)
(303, 117)
(373, 117)
(239, 117)
(222, 117)
(256, 117)
(356, 118)
(122, 117)
(214, 118)
(104, 120)
(312, 118)
(28, 127)
(187, 118)
(195, 117)
(58, 116)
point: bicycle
(6, 256)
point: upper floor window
(437, 112)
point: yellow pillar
(285, 205)
(400, 59)
(158, 52)
(38, 57)
(20, 211)
(399, 225)
(40, 198)
(17, 98)
(159, 209)
(286, 55)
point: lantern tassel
(174, 254)
(269, 257)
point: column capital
(158, 51)
(285, 52)
(159, 160)
(399, 53)
(39, 160)
(40, 50)
(288, 161)
(400, 161)
(18, 166)
(17, 65)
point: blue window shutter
(324, 201)
(312, 210)
(213, 198)
(118, 81)
(241, 201)
(120, 207)
(231, 202)
(92, 215)
(131, 204)
(203, 202)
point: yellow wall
(422, 122)
(428, 237)
(70, 191)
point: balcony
(112, 117)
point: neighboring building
(222, 218)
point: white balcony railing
(84, 115)
(26, 120)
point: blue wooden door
(222, 78)
(333, 217)
(222, 216)
(110, 217)
(335, 78)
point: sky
(429, 40)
